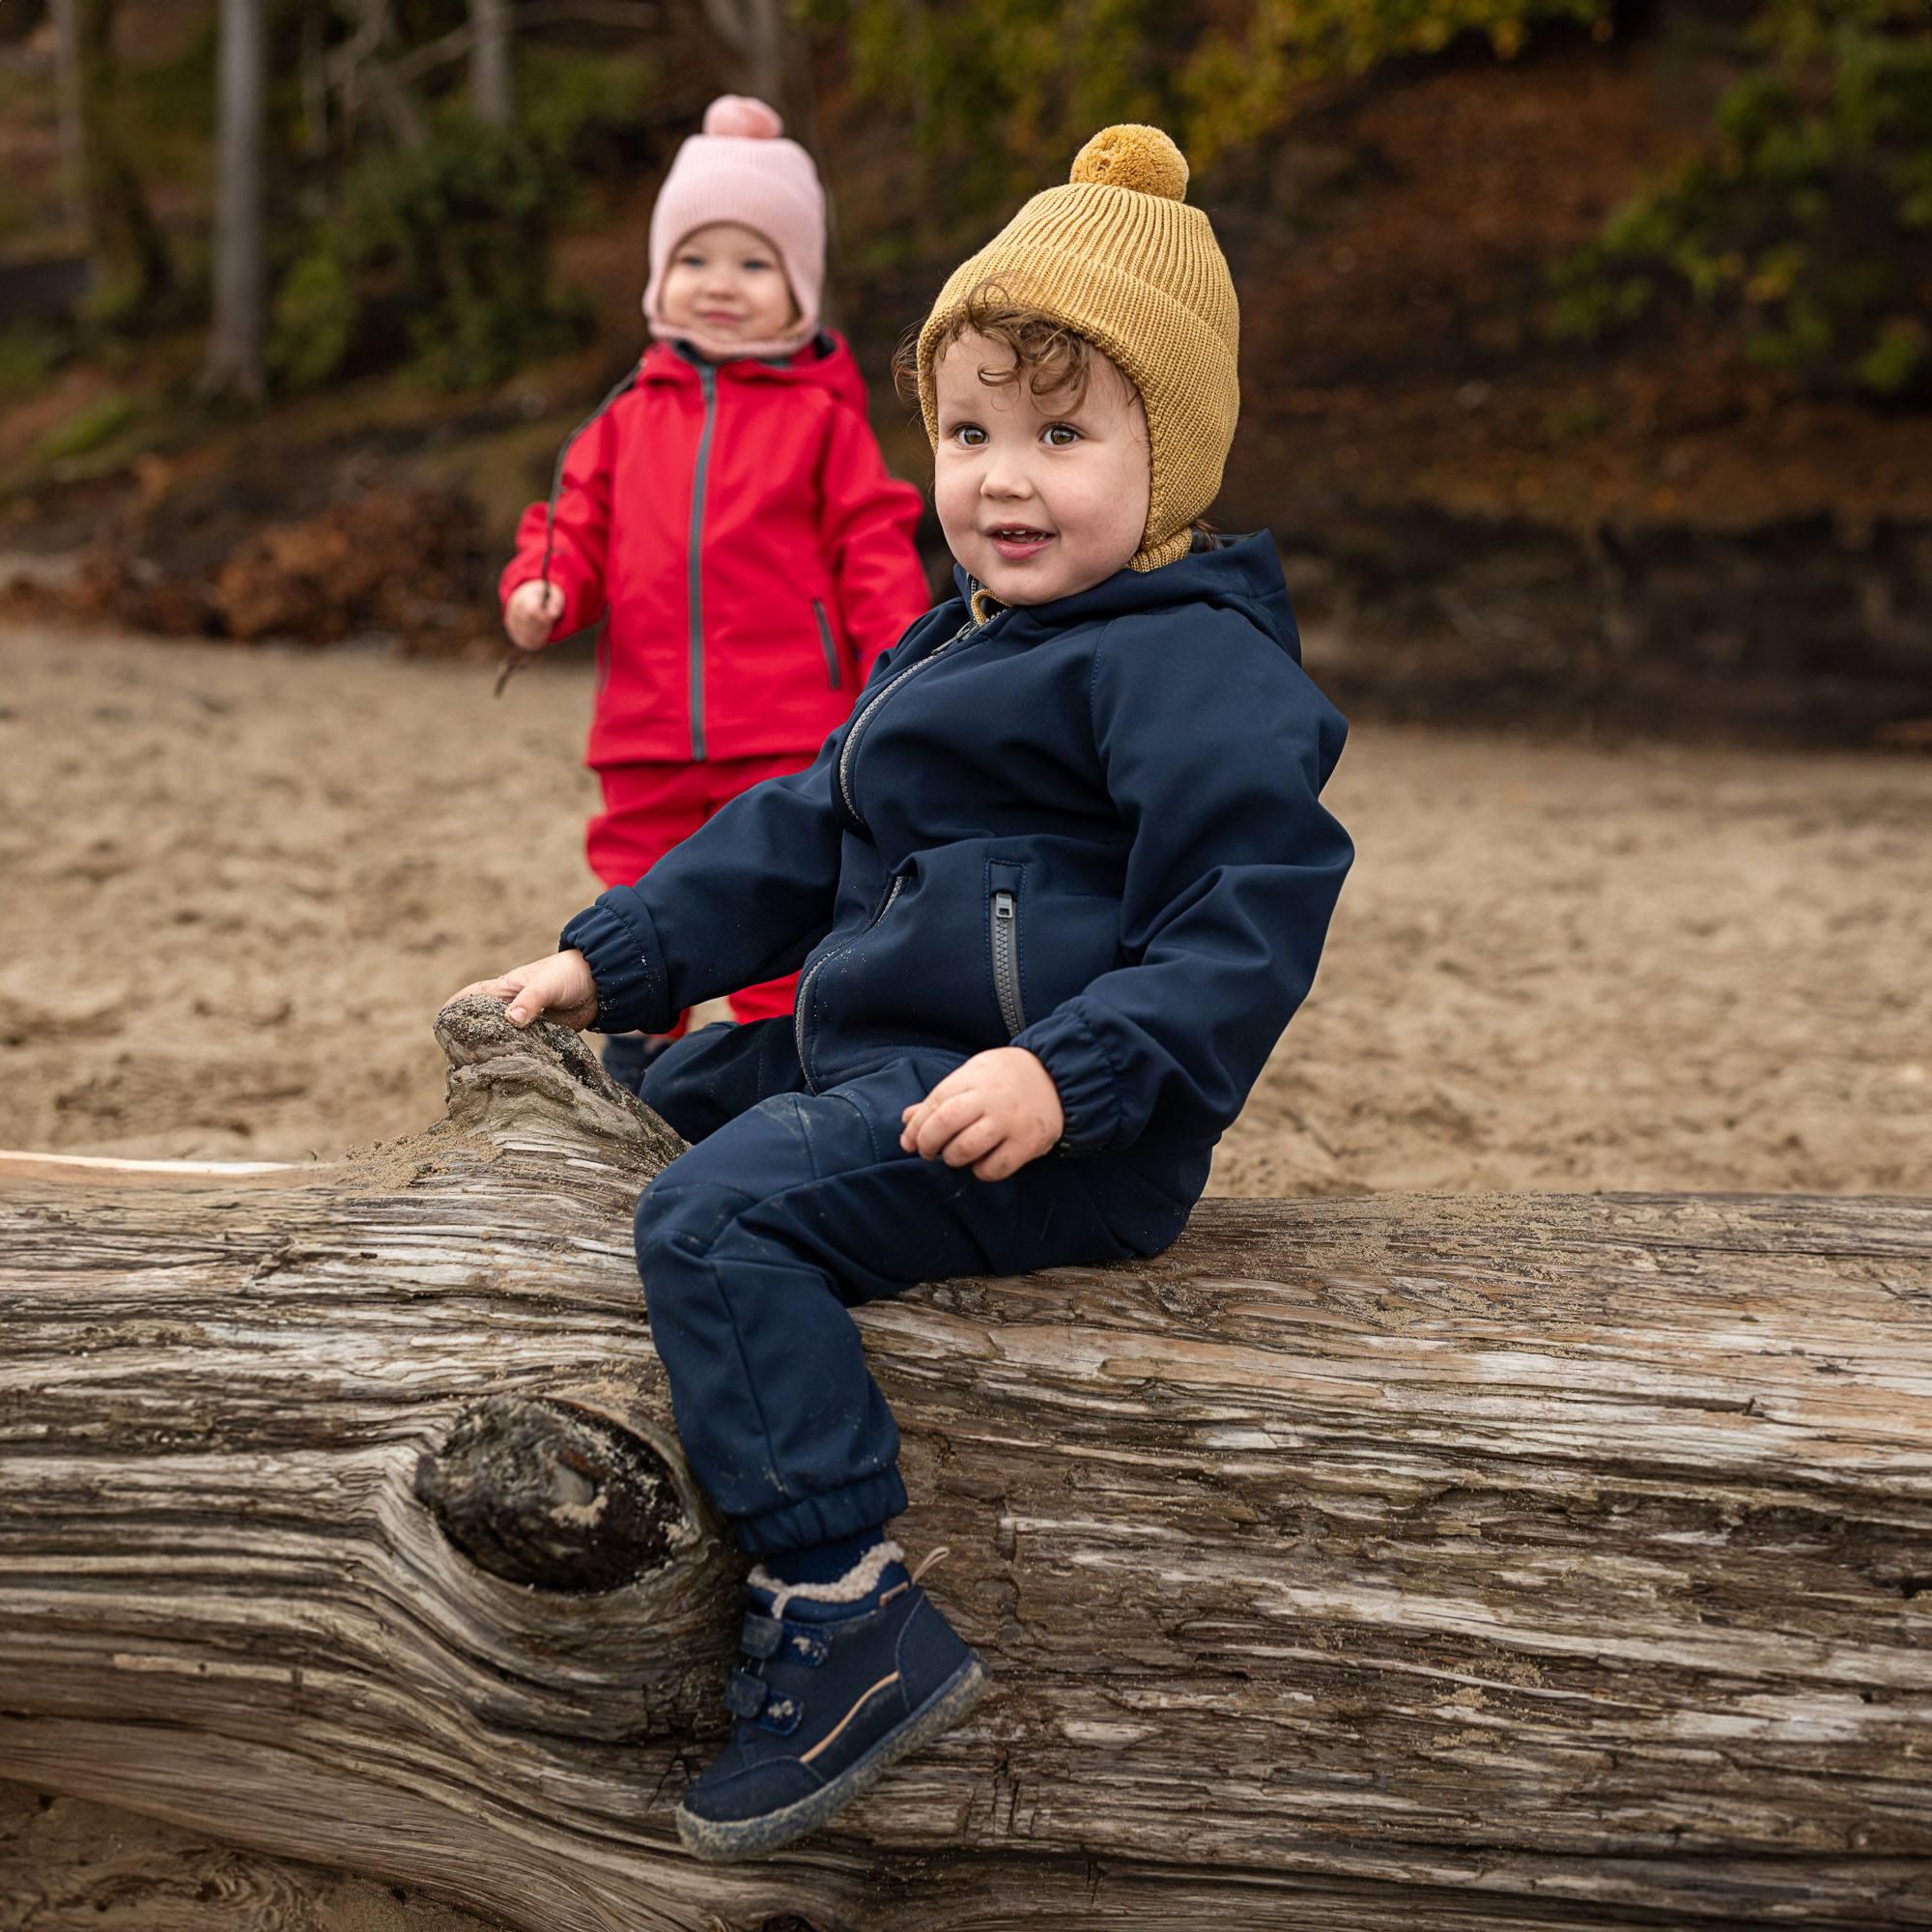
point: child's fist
(558, 988)
(996, 1113)
(531, 613)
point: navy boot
(845, 1677)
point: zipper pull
(1002, 905)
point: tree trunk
(67, 90)
(234, 363)
(126, 245)
(753, 33)
(1404, 1562)
(491, 84)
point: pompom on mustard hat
(1118, 256)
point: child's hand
(998, 1112)
(559, 989)
(531, 613)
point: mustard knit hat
(1118, 257)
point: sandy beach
(238, 883)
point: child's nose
(1005, 477)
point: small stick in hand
(528, 619)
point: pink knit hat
(741, 169)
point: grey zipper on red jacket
(707, 378)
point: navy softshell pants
(793, 1208)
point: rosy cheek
(952, 498)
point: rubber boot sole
(722, 1838)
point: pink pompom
(741, 115)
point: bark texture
(1434, 1563)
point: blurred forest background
(1587, 360)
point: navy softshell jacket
(1090, 828)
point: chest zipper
(864, 716)
(860, 720)
(819, 964)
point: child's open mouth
(1015, 541)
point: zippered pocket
(1004, 927)
(825, 642)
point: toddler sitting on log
(1053, 891)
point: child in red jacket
(728, 511)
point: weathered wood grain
(66, 1865)
(1420, 1562)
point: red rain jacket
(737, 523)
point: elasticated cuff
(796, 1525)
(1088, 1085)
(617, 939)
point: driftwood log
(1420, 1563)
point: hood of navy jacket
(1091, 828)
(1239, 574)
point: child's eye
(691, 261)
(969, 436)
(1060, 436)
(754, 263)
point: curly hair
(1049, 357)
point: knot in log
(550, 1496)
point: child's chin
(1026, 591)
(1024, 585)
(1035, 583)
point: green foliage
(319, 312)
(439, 258)
(165, 110)
(1811, 220)
(582, 112)
(1238, 87)
(90, 428)
(1576, 420)
(1001, 94)
(28, 356)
